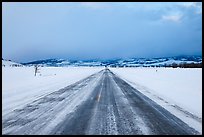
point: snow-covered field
(179, 90)
(20, 86)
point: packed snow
(178, 90)
(20, 86)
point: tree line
(185, 65)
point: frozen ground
(20, 86)
(178, 90)
(103, 103)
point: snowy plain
(178, 90)
(20, 86)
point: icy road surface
(102, 103)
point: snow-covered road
(102, 103)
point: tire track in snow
(100, 104)
(37, 117)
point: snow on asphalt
(178, 90)
(20, 86)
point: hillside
(9, 63)
(132, 62)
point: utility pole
(36, 69)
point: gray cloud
(34, 31)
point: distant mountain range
(132, 62)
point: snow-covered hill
(132, 62)
(9, 63)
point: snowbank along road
(102, 103)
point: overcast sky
(33, 31)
